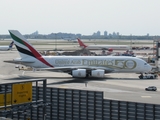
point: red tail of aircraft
(81, 43)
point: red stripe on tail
(37, 54)
(81, 43)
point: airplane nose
(149, 68)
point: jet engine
(79, 73)
(97, 73)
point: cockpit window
(145, 63)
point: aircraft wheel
(151, 77)
(87, 75)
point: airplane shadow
(86, 80)
(30, 77)
(62, 80)
(77, 80)
(67, 80)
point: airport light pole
(56, 42)
(153, 48)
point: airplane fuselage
(103, 47)
(117, 63)
(4, 48)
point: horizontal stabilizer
(18, 61)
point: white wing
(70, 68)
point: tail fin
(11, 45)
(81, 44)
(25, 49)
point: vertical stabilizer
(81, 44)
(25, 49)
(11, 45)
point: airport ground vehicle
(151, 88)
(148, 76)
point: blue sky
(136, 17)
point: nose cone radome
(149, 68)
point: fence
(69, 104)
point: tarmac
(116, 86)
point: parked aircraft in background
(77, 66)
(70, 39)
(103, 47)
(5, 48)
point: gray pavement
(117, 86)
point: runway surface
(116, 86)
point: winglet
(81, 44)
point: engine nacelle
(79, 73)
(97, 73)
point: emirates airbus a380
(77, 66)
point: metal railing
(68, 104)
